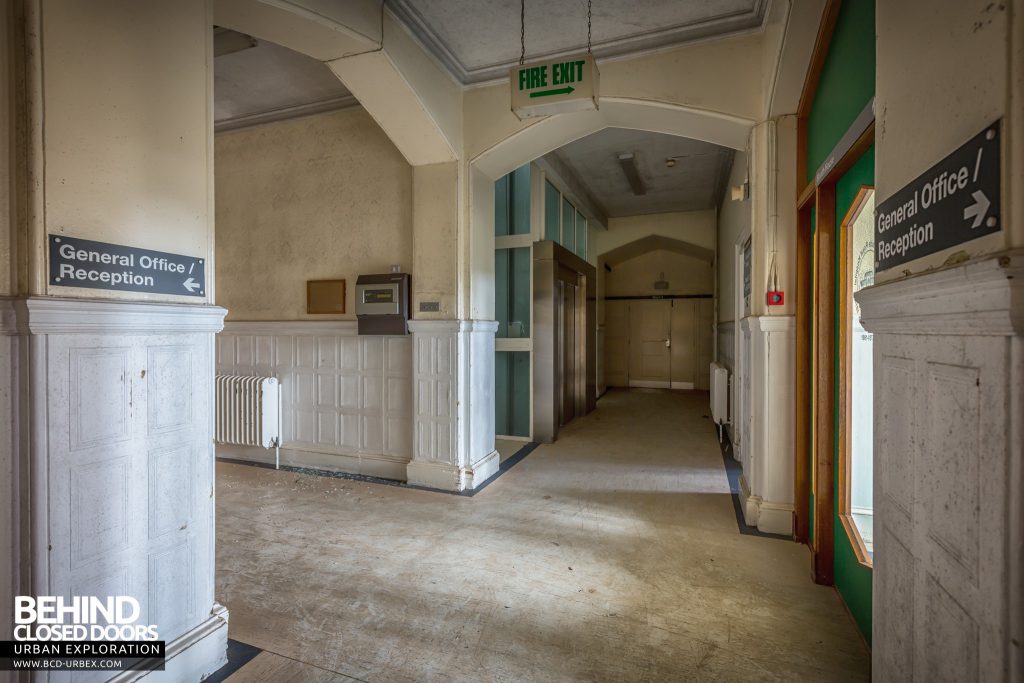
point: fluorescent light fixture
(628, 162)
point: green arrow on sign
(555, 91)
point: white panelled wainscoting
(112, 408)
(948, 454)
(418, 408)
(347, 399)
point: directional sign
(554, 87)
(954, 201)
(97, 265)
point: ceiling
(478, 40)
(696, 181)
(268, 82)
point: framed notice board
(325, 296)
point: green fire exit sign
(555, 86)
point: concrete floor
(611, 555)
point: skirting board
(436, 475)
(449, 477)
(371, 465)
(483, 469)
(771, 518)
(193, 656)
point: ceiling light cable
(522, 31)
(589, 15)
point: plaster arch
(417, 104)
(645, 245)
(550, 133)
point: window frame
(845, 438)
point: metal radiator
(719, 396)
(249, 412)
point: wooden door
(649, 350)
(684, 343)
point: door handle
(668, 343)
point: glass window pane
(581, 235)
(568, 222)
(501, 213)
(512, 393)
(512, 292)
(520, 198)
(862, 274)
(552, 212)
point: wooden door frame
(815, 379)
(806, 347)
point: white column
(117, 402)
(453, 403)
(949, 472)
(765, 410)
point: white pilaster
(118, 409)
(453, 403)
(764, 368)
(948, 454)
(9, 467)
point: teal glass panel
(512, 393)
(501, 206)
(568, 222)
(581, 235)
(512, 292)
(520, 201)
(552, 212)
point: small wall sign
(76, 262)
(554, 86)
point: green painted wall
(846, 85)
(853, 580)
(847, 80)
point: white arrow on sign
(191, 285)
(978, 209)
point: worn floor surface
(611, 555)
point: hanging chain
(589, 14)
(522, 31)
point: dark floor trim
(646, 297)
(734, 470)
(239, 654)
(511, 461)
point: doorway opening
(604, 262)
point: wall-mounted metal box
(382, 303)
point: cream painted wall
(435, 238)
(925, 113)
(328, 196)
(635, 277)
(734, 220)
(8, 279)
(695, 227)
(128, 128)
